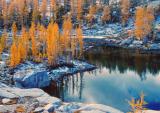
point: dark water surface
(120, 75)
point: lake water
(120, 75)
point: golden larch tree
(32, 33)
(42, 37)
(67, 30)
(35, 11)
(73, 46)
(106, 14)
(92, 12)
(52, 43)
(79, 34)
(14, 31)
(53, 8)
(3, 39)
(3, 42)
(139, 23)
(125, 6)
(149, 18)
(5, 13)
(143, 22)
(23, 45)
(1, 50)
(43, 9)
(22, 50)
(25, 39)
(79, 9)
(14, 55)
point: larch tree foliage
(3, 42)
(67, 30)
(106, 14)
(4, 39)
(4, 13)
(52, 43)
(139, 23)
(25, 38)
(73, 7)
(11, 11)
(1, 50)
(143, 21)
(23, 45)
(74, 46)
(42, 34)
(79, 34)
(32, 33)
(92, 12)
(22, 50)
(149, 18)
(23, 12)
(53, 8)
(43, 10)
(14, 32)
(56, 36)
(79, 9)
(14, 55)
(35, 13)
(125, 6)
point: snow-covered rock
(2, 85)
(157, 37)
(127, 41)
(6, 101)
(149, 111)
(70, 107)
(2, 64)
(8, 92)
(93, 108)
(40, 95)
(8, 108)
(136, 44)
(49, 100)
(155, 46)
(87, 108)
(50, 108)
(78, 66)
(39, 110)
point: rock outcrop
(30, 75)
(14, 99)
(32, 78)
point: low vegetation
(137, 105)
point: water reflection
(72, 85)
(120, 75)
(124, 60)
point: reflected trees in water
(68, 85)
(123, 60)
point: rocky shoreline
(13, 99)
(37, 75)
(129, 43)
